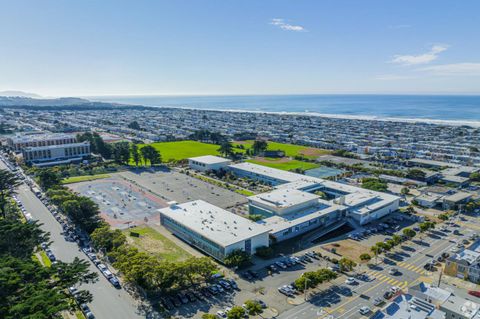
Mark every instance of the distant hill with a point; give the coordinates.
(63, 103)
(20, 94)
(28, 101)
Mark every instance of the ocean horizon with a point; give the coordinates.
(455, 109)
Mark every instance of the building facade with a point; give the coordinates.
(56, 154)
(20, 142)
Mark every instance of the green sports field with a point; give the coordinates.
(289, 149)
(84, 178)
(183, 149)
(285, 165)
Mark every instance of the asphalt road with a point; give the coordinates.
(108, 302)
(344, 301)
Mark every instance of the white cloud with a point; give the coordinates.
(466, 68)
(286, 26)
(424, 58)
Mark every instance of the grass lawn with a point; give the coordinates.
(285, 165)
(183, 149)
(155, 243)
(289, 149)
(45, 260)
(77, 179)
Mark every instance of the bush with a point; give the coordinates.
(311, 279)
(264, 252)
(237, 258)
(365, 257)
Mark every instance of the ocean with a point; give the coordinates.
(437, 108)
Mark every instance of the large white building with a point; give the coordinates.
(19, 142)
(362, 205)
(208, 162)
(215, 231)
(56, 154)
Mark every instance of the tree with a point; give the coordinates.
(376, 250)
(237, 258)
(150, 154)
(47, 178)
(410, 233)
(105, 238)
(253, 307)
(8, 184)
(346, 264)
(374, 184)
(83, 212)
(475, 177)
(134, 125)
(97, 144)
(226, 149)
(259, 146)
(121, 152)
(236, 312)
(416, 173)
(365, 257)
(405, 191)
(209, 316)
(396, 239)
(135, 154)
(20, 240)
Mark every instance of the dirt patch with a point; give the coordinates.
(310, 151)
(347, 248)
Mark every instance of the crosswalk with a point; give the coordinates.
(418, 269)
(387, 279)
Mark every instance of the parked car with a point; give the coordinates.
(378, 301)
(364, 310)
(474, 293)
(107, 273)
(280, 265)
(115, 282)
(392, 271)
(388, 294)
(350, 281)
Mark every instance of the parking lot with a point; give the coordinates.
(121, 203)
(174, 186)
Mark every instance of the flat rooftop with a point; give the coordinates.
(284, 198)
(432, 162)
(40, 137)
(212, 222)
(51, 147)
(458, 197)
(210, 159)
(279, 223)
(268, 171)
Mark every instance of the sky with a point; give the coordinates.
(203, 47)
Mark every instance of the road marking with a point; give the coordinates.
(386, 279)
(353, 298)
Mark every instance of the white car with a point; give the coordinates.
(394, 289)
(350, 281)
(392, 271)
(364, 310)
(102, 267)
(107, 273)
(221, 314)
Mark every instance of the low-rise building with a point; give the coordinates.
(465, 264)
(56, 154)
(20, 142)
(208, 162)
(213, 230)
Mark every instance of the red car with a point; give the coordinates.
(474, 293)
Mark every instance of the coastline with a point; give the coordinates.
(403, 108)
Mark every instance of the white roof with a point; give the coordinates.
(214, 223)
(210, 159)
(279, 223)
(283, 198)
(268, 171)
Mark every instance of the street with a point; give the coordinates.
(344, 301)
(108, 302)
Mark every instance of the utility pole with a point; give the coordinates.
(440, 277)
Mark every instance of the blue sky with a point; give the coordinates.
(82, 48)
